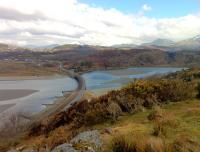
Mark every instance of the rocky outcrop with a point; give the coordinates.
(89, 141)
(64, 148)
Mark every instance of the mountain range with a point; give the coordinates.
(192, 44)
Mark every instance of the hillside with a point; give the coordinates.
(11, 48)
(160, 42)
(163, 112)
(3, 46)
(85, 59)
(189, 44)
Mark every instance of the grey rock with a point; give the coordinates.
(108, 130)
(29, 150)
(64, 148)
(92, 137)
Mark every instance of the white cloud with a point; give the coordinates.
(146, 7)
(43, 22)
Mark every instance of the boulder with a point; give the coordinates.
(29, 150)
(90, 139)
(64, 148)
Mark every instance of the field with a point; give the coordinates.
(182, 121)
(19, 68)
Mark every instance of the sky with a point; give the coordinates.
(97, 22)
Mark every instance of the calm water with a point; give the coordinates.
(102, 81)
(97, 81)
(48, 90)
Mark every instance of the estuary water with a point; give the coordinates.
(100, 82)
(32, 95)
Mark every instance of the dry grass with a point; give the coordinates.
(162, 121)
(176, 119)
(15, 68)
(137, 143)
(144, 143)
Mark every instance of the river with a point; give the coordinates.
(32, 95)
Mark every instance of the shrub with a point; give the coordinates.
(13, 124)
(156, 114)
(95, 116)
(114, 111)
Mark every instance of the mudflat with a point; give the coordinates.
(14, 94)
(5, 107)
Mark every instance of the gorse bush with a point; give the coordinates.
(161, 90)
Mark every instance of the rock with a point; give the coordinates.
(90, 137)
(64, 148)
(90, 149)
(108, 130)
(29, 150)
(20, 148)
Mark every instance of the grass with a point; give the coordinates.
(180, 119)
(17, 68)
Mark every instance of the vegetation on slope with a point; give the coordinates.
(147, 115)
(17, 68)
(89, 58)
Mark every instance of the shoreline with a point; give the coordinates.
(20, 78)
(10, 94)
(42, 77)
(4, 107)
(121, 68)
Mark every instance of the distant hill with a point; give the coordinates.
(125, 46)
(11, 48)
(160, 42)
(3, 47)
(76, 47)
(51, 46)
(192, 44)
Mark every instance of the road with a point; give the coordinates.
(79, 92)
(66, 101)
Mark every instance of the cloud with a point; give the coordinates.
(146, 7)
(43, 22)
(11, 14)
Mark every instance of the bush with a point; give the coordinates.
(156, 114)
(114, 111)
